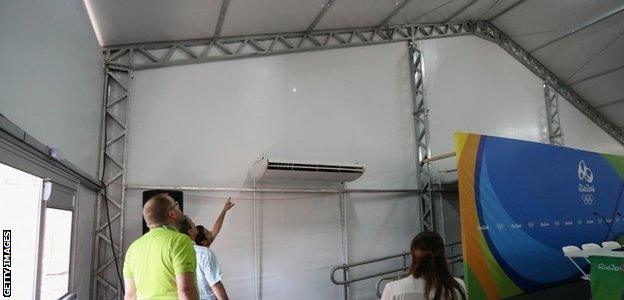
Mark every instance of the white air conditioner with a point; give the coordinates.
(282, 170)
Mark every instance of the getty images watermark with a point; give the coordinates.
(6, 263)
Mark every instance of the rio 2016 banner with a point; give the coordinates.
(520, 202)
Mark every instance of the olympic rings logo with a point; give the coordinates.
(588, 199)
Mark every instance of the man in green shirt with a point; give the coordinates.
(161, 264)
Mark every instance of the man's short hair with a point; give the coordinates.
(156, 208)
(184, 225)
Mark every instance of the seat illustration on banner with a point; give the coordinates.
(521, 202)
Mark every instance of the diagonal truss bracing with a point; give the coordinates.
(421, 122)
(154, 55)
(555, 133)
(112, 172)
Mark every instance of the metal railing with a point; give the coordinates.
(345, 268)
(346, 281)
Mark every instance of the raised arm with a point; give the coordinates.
(219, 222)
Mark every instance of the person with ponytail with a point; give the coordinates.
(428, 276)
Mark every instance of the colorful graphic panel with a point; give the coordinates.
(520, 202)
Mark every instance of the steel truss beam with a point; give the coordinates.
(555, 134)
(155, 55)
(421, 122)
(112, 171)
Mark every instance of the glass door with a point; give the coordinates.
(20, 211)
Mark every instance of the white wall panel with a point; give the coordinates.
(54, 88)
(51, 87)
(472, 85)
(300, 243)
(378, 225)
(234, 246)
(207, 124)
(582, 133)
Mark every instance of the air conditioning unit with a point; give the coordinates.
(282, 170)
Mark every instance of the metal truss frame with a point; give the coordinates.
(155, 55)
(421, 122)
(121, 61)
(112, 172)
(555, 134)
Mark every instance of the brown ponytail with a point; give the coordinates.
(433, 267)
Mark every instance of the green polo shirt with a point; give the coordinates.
(154, 259)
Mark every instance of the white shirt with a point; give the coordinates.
(410, 288)
(208, 272)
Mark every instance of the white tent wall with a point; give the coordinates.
(205, 125)
(54, 88)
(51, 87)
(473, 85)
(581, 133)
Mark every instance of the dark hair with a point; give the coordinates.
(184, 225)
(433, 268)
(200, 235)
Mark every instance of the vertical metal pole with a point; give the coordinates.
(405, 261)
(40, 244)
(555, 133)
(421, 122)
(257, 291)
(437, 184)
(344, 238)
(345, 287)
(98, 204)
(122, 199)
(112, 171)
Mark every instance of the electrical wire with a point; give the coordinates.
(110, 236)
(488, 10)
(286, 198)
(596, 55)
(432, 10)
(538, 32)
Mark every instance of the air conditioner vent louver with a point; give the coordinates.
(279, 170)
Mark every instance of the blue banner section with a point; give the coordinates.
(532, 199)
